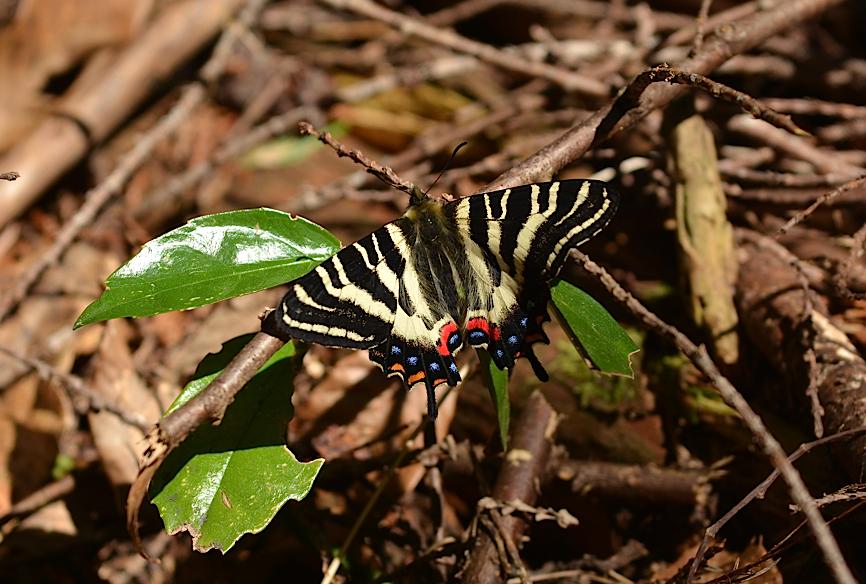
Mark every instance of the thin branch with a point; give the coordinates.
(617, 116)
(771, 447)
(822, 200)
(96, 198)
(744, 101)
(383, 173)
(442, 36)
(76, 387)
(759, 492)
(700, 24)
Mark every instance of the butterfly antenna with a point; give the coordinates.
(447, 164)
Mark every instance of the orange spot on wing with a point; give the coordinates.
(396, 367)
(417, 377)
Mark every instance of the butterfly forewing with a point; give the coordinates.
(476, 269)
(350, 299)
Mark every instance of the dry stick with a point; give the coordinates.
(843, 271)
(39, 499)
(621, 114)
(408, 25)
(518, 476)
(425, 146)
(96, 198)
(847, 493)
(685, 34)
(10, 176)
(822, 160)
(782, 179)
(77, 388)
(746, 102)
(209, 405)
(759, 492)
(823, 199)
(383, 173)
(770, 446)
(91, 111)
(816, 107)
(274, 126)
(700, 24)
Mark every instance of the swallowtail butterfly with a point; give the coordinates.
(476, 270)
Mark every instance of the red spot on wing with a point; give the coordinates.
(478, 323)
(444, 335)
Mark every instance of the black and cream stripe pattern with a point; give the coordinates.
(476, 270)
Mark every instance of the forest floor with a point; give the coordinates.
(735, 133)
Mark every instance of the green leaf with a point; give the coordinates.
(212, 258)
(497, 385)
(593, 330)
(231, 479)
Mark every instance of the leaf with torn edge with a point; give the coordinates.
(212, 258)
(231, 479)
(593, 330)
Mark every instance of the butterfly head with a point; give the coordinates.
(417, 197)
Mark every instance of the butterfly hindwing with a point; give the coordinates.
(517, 241)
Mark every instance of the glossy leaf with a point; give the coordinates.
(231, 479)
(212, 258)
(497, 384)
(593, 330)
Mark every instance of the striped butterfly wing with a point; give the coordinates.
(517, 240)
(476, 269)
(351, 299)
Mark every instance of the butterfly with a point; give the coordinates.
(476, 270)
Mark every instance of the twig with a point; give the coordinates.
(759, 492)
(744, 101)
(77, 388)
(782, 179)
(816, 107)
(532, 435)
(96, 198)
(617, 116)
(383, 173)
(822, 200)
(700, 24)
(822, 160)
(10, 176)
(39, 499)
(855, 492)
(235, 147)
(448, 38)
(732, 397)
(843, 270)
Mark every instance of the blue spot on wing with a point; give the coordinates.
(413, 360)
(513, 340)
(453, 367)
(396, 350)
(434, 366)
